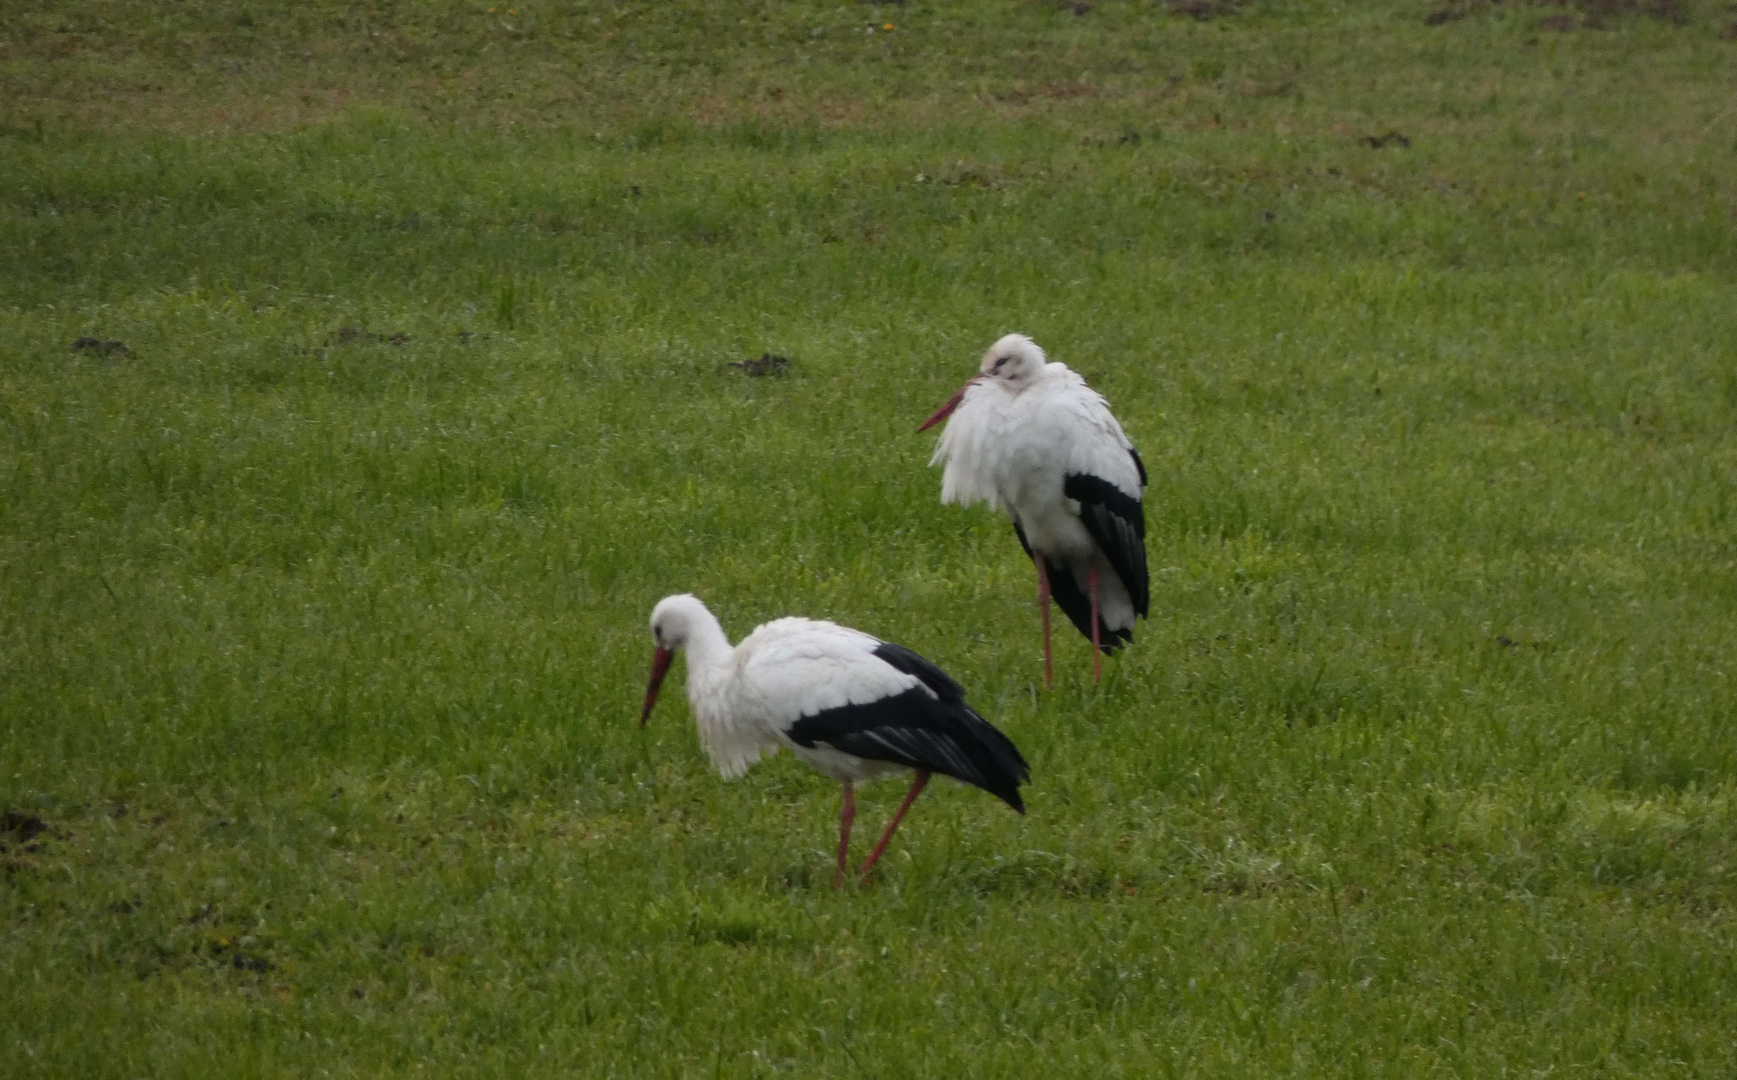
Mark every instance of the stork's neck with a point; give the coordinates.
(707, 647)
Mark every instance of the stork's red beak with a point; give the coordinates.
(947, 410)
(659, 668)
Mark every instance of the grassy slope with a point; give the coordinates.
(319, 657)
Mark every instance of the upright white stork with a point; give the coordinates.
(1032, 438)
(850, 705)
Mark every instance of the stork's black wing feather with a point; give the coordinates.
(920, 730)
(1117, 521)
(1076, 605)
(1139, 466)
(912, 664)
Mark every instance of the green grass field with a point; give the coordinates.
(323, 603)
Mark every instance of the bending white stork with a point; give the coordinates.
(852, 706)
(1032, 438)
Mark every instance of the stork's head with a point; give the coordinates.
(674, 618)
(672, 622)
(1013, 363)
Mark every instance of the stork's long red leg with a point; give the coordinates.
(1097, 654)
(846, 815)
(1043, 605)
(910, 797)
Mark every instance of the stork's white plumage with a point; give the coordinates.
(852, 706)
(1031, 438)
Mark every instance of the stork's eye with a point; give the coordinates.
(999, 362)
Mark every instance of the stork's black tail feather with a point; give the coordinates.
(1075, 604)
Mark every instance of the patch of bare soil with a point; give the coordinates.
(766, 365)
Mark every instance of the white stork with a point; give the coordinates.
(1032, 438)
(850, 705)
